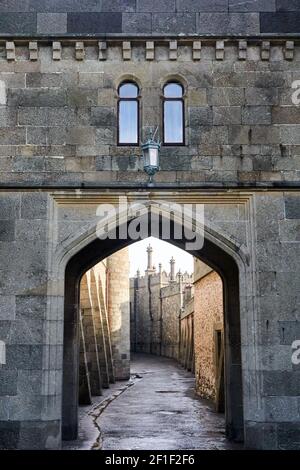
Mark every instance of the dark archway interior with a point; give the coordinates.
(210, 254)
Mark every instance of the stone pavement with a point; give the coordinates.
(159, 411)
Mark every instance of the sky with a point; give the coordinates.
(162, 253)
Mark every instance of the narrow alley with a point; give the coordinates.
(159, 411)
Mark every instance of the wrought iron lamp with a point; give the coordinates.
(151, 149)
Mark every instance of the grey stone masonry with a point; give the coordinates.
(58, 116)
(149, 17)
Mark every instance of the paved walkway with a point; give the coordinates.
(160, 411)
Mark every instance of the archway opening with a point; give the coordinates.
(213, 256)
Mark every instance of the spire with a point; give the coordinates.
(172, 269)
(149, 251)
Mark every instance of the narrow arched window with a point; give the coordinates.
(173, 114)
(128, 114)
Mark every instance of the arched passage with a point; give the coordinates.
(218, 255)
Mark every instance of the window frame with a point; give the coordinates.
(182, 100)
(137, 100)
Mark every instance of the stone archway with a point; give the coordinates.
(222, 256)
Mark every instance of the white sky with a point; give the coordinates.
(162, 253)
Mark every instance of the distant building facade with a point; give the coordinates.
(157, 305)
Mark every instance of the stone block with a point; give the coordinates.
(197, 50)
(51, 23)
(176, 23)
(105, 135)
(56, 50)
(7, 117)
(200, 116)
(150, 50)
(173, 50)
(137, 23)
(265, 50)
(242, 50)
(288, 436)
(43, 80)
(103, 163)
(252, 5)
(264, 135)
(290, 135)
(289, 331)
(289, 50)
(287, 5)
(37, 97)
(18, 23)
(56, 5)
(31, 229)
(79, 50)
(12, 136)
(7, 307)
(10, 50)
(92, 23)
(256, 115)
(223, 115)
(80, 135)
(286, 115)
(292, 207)
(24, 357)
(220, 50)
(280, 22)
(118, 5)
(7, 230)
(197, 97)
(240, 24)
(281, 383)
(126, 50)
(261, 96)
(152, 6)
(82, 97)
(239, 135)
(34, 205)
(30, 164)
(227, 96)
(260, 435)
(102, 45)
(29, 382)
(33, 50)
(9, 206)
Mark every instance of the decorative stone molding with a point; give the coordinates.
(79, 50)
(150, 50)
(289, 50)
(10, 50)
(102, 50)
(265, 50)
(126, 48)
(197, 50)
(56, 50)
(173, 50)
(242, 50)
(220, 50)
(33, 50)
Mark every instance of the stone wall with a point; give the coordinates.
(104, 326)
(149, 17)
(96, 361)
(208, 331)
(157, 304)
(59, 115)
(119, 312)
(59, 160)
(187, 346)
